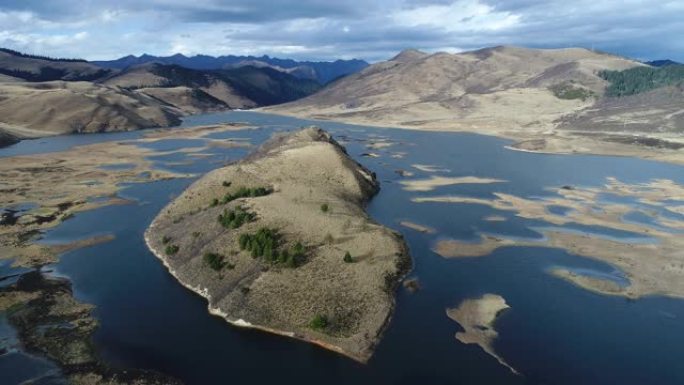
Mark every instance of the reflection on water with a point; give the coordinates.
(554, 332)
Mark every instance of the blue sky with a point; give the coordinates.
(330, 29)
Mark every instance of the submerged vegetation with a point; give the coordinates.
(642, 79)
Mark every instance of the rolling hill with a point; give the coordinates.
(242, 87)
(489, 90)
(554, 100)
(59, 107)
(42, 96)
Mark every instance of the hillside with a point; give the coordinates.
(321, 71)
(42, 96)
(490, 90)
(555, 100)
(51, 108)
(243, 87)
(283, 244)
(40, 69)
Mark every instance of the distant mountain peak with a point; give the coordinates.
(409, 55)
(662, 63)
(322, 71)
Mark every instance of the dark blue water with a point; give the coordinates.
(554, 333)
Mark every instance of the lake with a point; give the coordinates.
(554, 332)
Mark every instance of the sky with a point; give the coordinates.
(330, 29)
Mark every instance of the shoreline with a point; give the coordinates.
(567, 139)
(241, 323)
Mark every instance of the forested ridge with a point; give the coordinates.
(642, 79)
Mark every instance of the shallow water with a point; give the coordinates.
(554, 333)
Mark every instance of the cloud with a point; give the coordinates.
(324, 29)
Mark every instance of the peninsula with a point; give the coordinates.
(280, 242)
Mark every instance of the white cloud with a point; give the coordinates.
(459, 16)
(321, 29)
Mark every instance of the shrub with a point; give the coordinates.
(225, 183)
(215, 261)
(570, 92)
(348, 258)
(325, 207)
(243, 192)
(171, 249)
(318, 322)
(166, 239)
(244, 240)
(233, 219)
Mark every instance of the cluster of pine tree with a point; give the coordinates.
(233, 219)
(642, 79)
(265, 244)
(242, 192)
(217, 261)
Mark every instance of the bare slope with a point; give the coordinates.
(490, 90)
(51, 108)
(315, 296)
(152, 78)
(519, 93)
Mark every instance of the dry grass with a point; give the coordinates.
(304, 170)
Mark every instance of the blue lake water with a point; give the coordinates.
(554, 333)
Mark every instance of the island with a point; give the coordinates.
(280, 242)
(477, 317)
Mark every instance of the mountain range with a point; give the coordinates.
(536, 95)
(45, 96)
(321, 71)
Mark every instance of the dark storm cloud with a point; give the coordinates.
(325, 29)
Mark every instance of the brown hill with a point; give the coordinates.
(492, 90)
(51, 108)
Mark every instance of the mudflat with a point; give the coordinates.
(477, 317)
(280, 242)
(651, 260)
